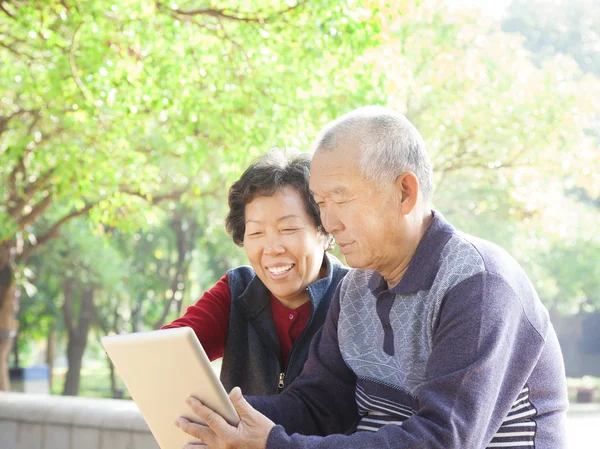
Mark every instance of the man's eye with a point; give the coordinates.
(255, 234)
(289, 230)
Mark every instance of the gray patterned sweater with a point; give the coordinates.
(460, 354)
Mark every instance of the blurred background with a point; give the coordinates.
(122, 125)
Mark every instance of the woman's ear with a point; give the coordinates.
(326, 239)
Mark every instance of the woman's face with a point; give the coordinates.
(283, 245)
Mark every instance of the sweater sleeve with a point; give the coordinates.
(306, 405)
(209, 318)
(484, 350)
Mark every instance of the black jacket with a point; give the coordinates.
(252, 358)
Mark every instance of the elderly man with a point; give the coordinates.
(435, 340)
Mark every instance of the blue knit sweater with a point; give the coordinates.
(460, 354)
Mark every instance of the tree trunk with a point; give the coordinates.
(15, 351)
(116, 393)
(184, 250)
(78, 334)
(8, 308)
(51, 353)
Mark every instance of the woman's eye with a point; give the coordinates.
(289, 230)
(255, 234)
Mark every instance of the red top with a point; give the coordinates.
(209, 318)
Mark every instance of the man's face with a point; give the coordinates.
(366, 221)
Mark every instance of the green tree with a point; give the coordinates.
(108, 108)
(507, 137)
(84, 269)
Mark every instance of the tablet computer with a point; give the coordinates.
(160, 370)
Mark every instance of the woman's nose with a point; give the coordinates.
(273, 246)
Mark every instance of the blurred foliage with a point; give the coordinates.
(137, 116)
(553, 27)
(509, 140)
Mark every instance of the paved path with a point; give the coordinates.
(583, 428)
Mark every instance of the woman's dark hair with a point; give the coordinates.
(272, 172)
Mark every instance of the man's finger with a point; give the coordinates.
(199, 431)
(244, 409)
(208, 416)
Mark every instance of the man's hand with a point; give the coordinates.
(251, 433)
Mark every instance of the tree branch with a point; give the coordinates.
(28, 192)
(14, 51)
(86, 94)
(234, 14)
(7, 118)
(20, 166)
(36, 211)
(52, 232)
(155, 199)
(5, 10)
(67, 305)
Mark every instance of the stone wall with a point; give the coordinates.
(29, 421)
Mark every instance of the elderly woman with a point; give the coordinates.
(261, 319)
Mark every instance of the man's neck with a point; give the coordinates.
(395, 275)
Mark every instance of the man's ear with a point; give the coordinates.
(407, 188)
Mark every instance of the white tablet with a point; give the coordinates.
(160, 370)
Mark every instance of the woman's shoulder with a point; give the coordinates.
(337, 267)
(242, 274)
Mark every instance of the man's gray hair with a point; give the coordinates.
(389, 145)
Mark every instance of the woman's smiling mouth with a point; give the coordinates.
(280, 270)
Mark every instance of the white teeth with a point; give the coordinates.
(280, 270)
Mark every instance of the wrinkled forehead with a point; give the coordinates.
(331, 172)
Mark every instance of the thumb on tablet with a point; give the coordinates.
(241, 405)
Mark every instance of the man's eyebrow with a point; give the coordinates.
(337, 190)
(285, 217)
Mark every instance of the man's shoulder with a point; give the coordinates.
(490, 257)
(502, 276)
(464, 257)
(460, 256)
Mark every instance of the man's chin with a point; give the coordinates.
(354, 261)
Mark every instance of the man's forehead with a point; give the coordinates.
(335, 181)
(332, 163)
(330, 172)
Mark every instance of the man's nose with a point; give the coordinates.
(330, 220)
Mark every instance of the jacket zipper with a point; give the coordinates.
(281, 384)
